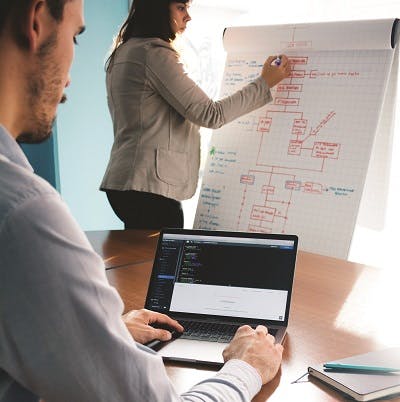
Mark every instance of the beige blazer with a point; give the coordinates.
(156, 111)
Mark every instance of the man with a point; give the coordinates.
(61, 331)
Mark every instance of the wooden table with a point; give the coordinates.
(124, 247)
(338, 309)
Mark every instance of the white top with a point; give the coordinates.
(62, 336)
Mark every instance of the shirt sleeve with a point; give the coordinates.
(170, 80)
(235, 379)
(60, 321)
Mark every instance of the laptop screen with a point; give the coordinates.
(224, 274)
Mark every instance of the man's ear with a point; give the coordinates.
(36, 25)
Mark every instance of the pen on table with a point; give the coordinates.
(357, 367)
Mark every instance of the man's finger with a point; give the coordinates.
(262, 329)
(162, 334)
(165, 321)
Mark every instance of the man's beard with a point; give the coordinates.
(42, 89)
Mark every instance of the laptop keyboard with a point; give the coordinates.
(211, 332)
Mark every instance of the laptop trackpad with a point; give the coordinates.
(193, 351)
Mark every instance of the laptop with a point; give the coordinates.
(212, 282)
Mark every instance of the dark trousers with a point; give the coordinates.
(141, 210)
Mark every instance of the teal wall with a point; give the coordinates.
(84, 125)
(44, 159)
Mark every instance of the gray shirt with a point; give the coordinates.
(156, 111)
(61, 333)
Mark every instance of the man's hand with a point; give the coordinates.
(139, 325)
(257, 348)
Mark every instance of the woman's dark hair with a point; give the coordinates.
(146, 19)
(16, 11)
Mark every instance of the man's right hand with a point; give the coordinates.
(257, 348)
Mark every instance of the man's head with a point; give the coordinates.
(37, 43)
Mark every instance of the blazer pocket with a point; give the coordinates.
(171, 166)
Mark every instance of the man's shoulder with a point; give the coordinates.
(18, 186)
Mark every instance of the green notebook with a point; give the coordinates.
(363, 385)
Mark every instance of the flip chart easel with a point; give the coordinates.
(299, 164)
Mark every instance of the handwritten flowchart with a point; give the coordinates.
(298, 164)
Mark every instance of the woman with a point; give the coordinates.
(157, 111)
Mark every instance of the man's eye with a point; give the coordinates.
(75, 41)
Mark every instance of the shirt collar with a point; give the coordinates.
(10, 150)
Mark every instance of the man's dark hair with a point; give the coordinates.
(146, 19)
(15, 12)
